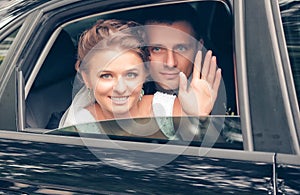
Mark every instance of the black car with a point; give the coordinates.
(251, 148)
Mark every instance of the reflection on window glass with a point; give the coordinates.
(217, 132)
(290, 12)
(5, 45)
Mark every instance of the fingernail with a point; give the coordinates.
(181, 74)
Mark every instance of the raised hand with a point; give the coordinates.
(199, 97)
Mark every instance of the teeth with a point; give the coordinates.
(119, 98)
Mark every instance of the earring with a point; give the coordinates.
(90, 95)
(141, 94)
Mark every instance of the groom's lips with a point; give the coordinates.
(170, 75)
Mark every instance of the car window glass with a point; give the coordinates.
(5, 45)
(290, 13)
(213, 131)
(222, 128)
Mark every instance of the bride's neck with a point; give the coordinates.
(100, 114)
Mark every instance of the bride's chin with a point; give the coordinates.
(122, 115)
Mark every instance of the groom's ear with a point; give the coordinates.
(200, 44)
(85, 78)
(147, 73)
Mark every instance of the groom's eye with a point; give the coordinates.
(180, 48)
(156, 49)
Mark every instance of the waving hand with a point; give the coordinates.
(199, 98)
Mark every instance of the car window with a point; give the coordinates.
(59, 87)
(5, 45)
(213, 131)
(290, 14)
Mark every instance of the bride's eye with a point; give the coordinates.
(105, 76)
(132, 75)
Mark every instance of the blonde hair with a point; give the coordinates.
(112, 34)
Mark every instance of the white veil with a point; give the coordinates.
(76, 113)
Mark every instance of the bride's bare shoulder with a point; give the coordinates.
(145, 105)
(147, 99)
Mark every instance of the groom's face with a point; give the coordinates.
(172, 50)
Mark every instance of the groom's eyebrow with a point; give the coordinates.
(156, 45)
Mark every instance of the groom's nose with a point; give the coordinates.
(170, 59)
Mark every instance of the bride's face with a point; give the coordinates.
(116, 79)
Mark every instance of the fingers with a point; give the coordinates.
(208, 70)
(217, 81)
(212, 70)
(211, 73)
(182, 82)
(197, 65)
(206, 65)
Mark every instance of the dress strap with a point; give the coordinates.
(162, 106)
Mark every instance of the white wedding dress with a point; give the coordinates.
(162, 105)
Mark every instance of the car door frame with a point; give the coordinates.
(286, 118)
(12, 68)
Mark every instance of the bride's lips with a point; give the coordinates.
(170, 75)
(119, 99)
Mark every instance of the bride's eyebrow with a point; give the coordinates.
(109, 71)
(132, 69)
(103, 71)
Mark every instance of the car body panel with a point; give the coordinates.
(105, 169)
(77, 168)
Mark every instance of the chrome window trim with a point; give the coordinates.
(21, 101)
(242, 81)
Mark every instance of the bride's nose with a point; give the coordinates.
(120, 86)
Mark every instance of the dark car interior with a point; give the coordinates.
(51, 92)
(52, 87)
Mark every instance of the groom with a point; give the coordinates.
(173, 41)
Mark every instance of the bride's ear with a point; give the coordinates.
(85, 79)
